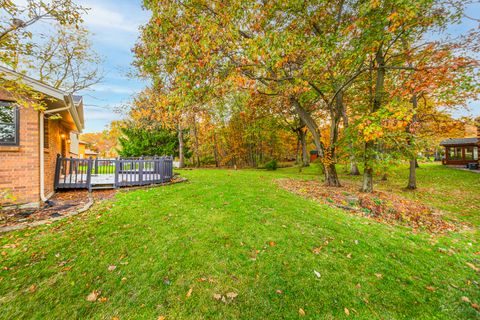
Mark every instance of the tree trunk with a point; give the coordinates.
(303, 142)
(311, 125)
(297, 150)
(215, 150)
(331, 177)
(354, 167)
(367, 185)
(181, 156)
(412, 177)
(195, 136)
(329, 169)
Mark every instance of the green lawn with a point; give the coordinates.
(236, 232)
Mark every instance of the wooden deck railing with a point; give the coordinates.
(72, 173)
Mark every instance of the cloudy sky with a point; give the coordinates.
(114, 24)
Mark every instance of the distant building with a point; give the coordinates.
(462, 151)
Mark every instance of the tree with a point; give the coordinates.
(136, 142)
(16, 38)
(66, 60)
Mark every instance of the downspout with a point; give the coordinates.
(42, 158)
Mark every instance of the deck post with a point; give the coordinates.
(57, 172)
(89, 174)
(140, 170)
(96, 166)
(117, 172)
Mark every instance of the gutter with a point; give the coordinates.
(73, 112)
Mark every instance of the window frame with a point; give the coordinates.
(5, 103)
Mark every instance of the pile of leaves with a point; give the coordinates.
(380, 206)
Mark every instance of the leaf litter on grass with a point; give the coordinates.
(380, 206)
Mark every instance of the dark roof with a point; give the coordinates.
(460, 141)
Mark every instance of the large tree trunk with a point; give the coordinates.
(181, 155)
(367, 185)
(331, 177)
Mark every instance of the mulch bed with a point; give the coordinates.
(61, 204)
(380, 206)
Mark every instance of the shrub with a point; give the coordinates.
(271, 165)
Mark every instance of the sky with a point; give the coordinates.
(114, 24)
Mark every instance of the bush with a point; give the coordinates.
(271, 165)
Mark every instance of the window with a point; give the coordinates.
(475, 153)
(469, 153)
(9, 125)
(455, 153)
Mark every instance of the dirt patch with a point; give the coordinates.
(60, 205)
(380, 206)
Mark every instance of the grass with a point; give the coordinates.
(235, 231)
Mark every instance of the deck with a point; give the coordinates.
(73, 173)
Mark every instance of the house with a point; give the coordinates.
(90, 154)
(462, 151)
(30, 140)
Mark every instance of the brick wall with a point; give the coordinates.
(20, 165)
(20, 168)
(56, 129)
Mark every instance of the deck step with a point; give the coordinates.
(102, 186)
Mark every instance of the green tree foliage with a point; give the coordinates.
(136, 142)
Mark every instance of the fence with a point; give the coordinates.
(72, 173)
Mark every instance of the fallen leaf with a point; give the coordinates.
(103, 299)
(317, 250)
(358, 285)
(161, 318)
(189, 293)
(317, 273)
(475, 306)
(301, 312)
(32, 288)
(349, 256)
(272, 244)
(430, 288)
(93, 296)
(465, 299)
(231, 295)
(112, 267)
(217, 296)
(474, 267)
(124, 279)
(347, 312)
(279, 291)
(379, 275)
